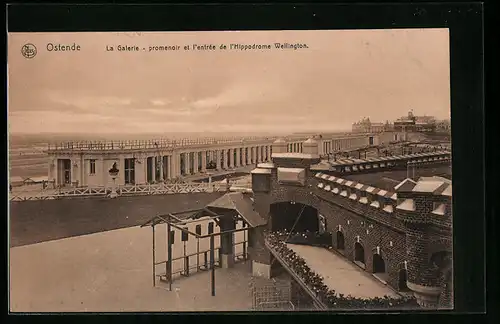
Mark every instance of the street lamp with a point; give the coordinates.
(113, 172)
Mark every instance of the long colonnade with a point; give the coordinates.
(87, 164)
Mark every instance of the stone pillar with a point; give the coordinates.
(173, 160)
(152, 169)
(196, 162)
(257, 154)
(227, 242)
(203, 161)
(187, 164)
(238, 157)
(218, 159)
(252, 155)
(231, 158)
(169, 167)
(178, 164)
(244, 153)
(224, 158)
(160, 161)
(50, 169)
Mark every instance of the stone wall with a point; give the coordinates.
(405, 239)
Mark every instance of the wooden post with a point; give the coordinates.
(212, 263)
(198, 231)
(244, 243)
(169, 248)
(154, 258)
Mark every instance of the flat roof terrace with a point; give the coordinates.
(388, 179)
(149, 144)
(407, 157)
(342, 275)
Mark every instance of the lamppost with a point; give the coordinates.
(113, 172)
(210, 186)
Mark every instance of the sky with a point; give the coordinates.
(340, 78)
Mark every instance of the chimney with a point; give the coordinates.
(310, 147)
(279, 146)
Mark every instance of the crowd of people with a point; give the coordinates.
(277, 240)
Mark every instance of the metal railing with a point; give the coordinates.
(317, 302)
(126, 190)
(151, 144)
(189, 268)
(178, 143)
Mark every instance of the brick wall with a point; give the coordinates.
(399, 235)
(391, 241)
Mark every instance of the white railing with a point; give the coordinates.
(152, 144)
(181, 143)
(129, 190)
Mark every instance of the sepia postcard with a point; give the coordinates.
(230, 171)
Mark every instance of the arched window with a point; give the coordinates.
(378, 264)
(402, 286)
(340, 241)
(359, 253)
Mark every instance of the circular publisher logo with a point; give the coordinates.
(28, 51)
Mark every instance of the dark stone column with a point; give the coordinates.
(227, 242)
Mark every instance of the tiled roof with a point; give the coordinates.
(344, 161)
(407, 204)
(242, 204)
(405, 185)
(260, 171)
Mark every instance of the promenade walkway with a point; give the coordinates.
(340, 274)
(37, 192)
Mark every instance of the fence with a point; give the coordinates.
(128, 190)
(271, 294)
(151, 144)
(201, 262)
(316, 301)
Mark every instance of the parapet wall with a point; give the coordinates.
(389, 208)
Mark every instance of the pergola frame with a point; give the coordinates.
(172, 221)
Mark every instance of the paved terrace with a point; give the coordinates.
(388, 179)
(353, 165)
(111, 272)
(340, 274)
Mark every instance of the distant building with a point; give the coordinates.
(443, 125)
(408, 123)
(367, 126)
(412, 123)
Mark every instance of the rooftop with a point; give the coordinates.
(388, 180)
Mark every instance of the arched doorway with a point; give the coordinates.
(340, 241)
(294, 217)
(378, 264)
(443, 261)
(359, 254)
(403, 277)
